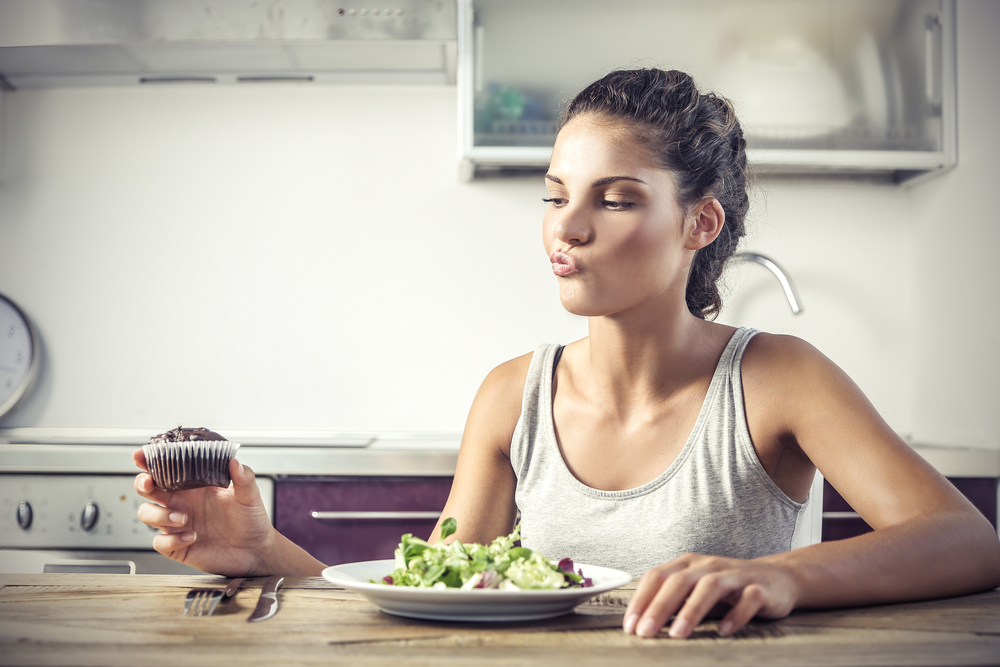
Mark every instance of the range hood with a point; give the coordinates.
(53, 43)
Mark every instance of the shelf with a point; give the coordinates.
(853, 87)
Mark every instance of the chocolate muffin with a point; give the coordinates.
(188, 458)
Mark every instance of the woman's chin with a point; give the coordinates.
(584, 308)
(610, 307)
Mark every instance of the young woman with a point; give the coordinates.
(663, 443)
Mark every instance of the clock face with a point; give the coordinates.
(18, 356)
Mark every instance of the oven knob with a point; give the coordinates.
(24, 515)
(89, 517)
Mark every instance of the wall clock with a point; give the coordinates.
(19, 355)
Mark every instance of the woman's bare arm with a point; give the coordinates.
(226, 531)
(929, 541)
(482, 495)
(223, 531)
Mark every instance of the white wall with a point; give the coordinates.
(303, 257)
(902, 286)
(956, 327)
(263, 258)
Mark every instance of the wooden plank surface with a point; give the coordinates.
(58, 619)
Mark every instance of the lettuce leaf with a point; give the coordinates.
(502, 564)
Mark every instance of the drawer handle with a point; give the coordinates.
(373, 515)
(841, 515)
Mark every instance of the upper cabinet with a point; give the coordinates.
(57, 43)
(839, 86)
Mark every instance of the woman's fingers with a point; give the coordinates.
(144, 484)
(709, 591)
(169, 543)
(139, 457)
(691, 587)
(650, 584)
(144, 487)
(166, 519)
(245, 489)
(659, 595)
(751, 601)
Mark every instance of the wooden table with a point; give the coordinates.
(136, 620)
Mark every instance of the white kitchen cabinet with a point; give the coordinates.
(845, 86)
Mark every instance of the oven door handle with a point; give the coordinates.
(88, 566)
(376, 516)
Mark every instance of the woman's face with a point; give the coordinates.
(613, 228)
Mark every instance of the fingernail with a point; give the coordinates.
(726, 628)
(189, 537)
(680, 629)
(647, 628)
(630, 621)
(177, 517)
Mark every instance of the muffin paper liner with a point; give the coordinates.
(190, 464)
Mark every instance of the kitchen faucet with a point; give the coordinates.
(786, 282)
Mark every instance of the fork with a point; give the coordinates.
(203, 601)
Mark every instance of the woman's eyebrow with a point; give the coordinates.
(601, 181)
(612, 179)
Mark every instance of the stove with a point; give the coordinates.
(81, 523)
(67, 500)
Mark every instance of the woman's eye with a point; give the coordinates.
(555, 201)
(617, 205)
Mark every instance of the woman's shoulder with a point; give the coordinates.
(510, 375)
(497, 406)
(503, 387)
(778, 346)
(781, 362)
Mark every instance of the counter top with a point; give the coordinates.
(384, 456)
(137, 437)
(124, 620)
(265, 461)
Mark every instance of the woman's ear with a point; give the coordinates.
(708, 217)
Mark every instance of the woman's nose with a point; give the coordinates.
(572, 228)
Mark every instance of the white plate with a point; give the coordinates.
(454, 604)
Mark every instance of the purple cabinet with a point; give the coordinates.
(841, 522)
(348, 519)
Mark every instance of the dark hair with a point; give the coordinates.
(695, 136)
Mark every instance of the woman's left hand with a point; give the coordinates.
(692, 585)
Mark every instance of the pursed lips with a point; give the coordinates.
(563, 264)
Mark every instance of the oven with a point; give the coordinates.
(81, 523)
(68, 504)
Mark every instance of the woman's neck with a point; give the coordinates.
(648, 355)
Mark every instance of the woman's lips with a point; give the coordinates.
(563, 264)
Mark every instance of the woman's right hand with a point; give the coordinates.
(222, 531)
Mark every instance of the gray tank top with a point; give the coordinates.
(715, 498)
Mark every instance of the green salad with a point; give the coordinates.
(503, 565)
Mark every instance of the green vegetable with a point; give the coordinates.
(448, 528)
(498, 565)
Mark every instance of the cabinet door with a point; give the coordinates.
(349, 519)
(846, 85)
(840, 520)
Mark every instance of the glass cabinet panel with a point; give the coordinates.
(818, 84)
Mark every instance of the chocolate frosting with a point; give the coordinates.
(180, 434)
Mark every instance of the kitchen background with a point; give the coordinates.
(305, 257)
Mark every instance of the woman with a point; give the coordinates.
(662, 442)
